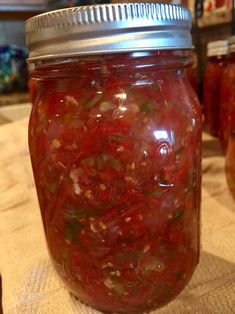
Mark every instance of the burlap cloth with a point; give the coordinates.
(29, 283)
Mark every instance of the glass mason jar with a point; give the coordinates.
(228, 115)
(216, 52)
(115, 144)
(227, 94)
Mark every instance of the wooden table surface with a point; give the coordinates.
(14, 98)
(29, 283)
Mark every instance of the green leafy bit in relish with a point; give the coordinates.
(179, 150)
(158, 191)
(93, 101)
(115, 164)
(53, 187)
(79, 212)
(146, 107)
(116, 137)
(90, 162)
(177, 215)
(105, 106)
(132, 255)
(71, 230)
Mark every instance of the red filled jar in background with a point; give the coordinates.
(216, 52)
(228, 115)
(115, 145)
(227, 90)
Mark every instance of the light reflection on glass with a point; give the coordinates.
(140, 54)
(123, 109)
(164, 135)
(144, 66)
(161, 135)
(121, 96)
(144, 82)
(145, 153)
(164, 150)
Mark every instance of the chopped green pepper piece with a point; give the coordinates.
(158, 192)
(72, 227)
(176, 215)
(78, 213)
(105, 106)
(115, 164)
(90, 161)
(118, 288)
(163, 181)
(100, 162)
(93, 101)
(179, 150)
(129, 255)
(53, 187)
(146, 107)
(116, 137)
(70, 212)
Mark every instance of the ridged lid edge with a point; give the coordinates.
(108, 13)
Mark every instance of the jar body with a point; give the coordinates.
(227, 89)
(116, 157)
(228, 116)
(211, 93)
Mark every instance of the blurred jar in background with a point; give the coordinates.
(13, 68)
(227, 97)
(216, 53)
(228, 113)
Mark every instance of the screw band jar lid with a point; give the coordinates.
(231, 44)
(108, 28)
(217, 48)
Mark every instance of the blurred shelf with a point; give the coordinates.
(215, 19)
(14, 98)
(21, 8)
(20, 11)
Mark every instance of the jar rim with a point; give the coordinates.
(108, 28)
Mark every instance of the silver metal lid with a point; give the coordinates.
(108, 28)
(217, 48)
